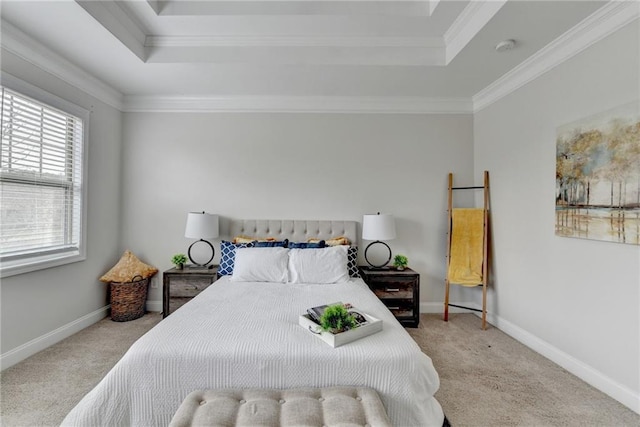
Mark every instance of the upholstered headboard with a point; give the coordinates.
(294, 230)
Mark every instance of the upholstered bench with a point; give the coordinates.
(330, 406)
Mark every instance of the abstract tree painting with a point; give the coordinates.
(598, 177)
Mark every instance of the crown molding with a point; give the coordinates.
(155, 6)
(20, 44)
(296, 49)
(292, 41)
(603, 22)
(608, 19)
(291, 8)
(469, 23)
(122, 25)
(298, 104)
(432, 4)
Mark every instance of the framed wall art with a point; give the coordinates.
(598, 176)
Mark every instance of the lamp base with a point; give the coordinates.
(213, 252)
(381, 266)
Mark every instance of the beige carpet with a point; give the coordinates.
(42, 389)
(487, 379)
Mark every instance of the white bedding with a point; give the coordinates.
(246, 335)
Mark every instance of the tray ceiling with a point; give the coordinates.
(298, 48)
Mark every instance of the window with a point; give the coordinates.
(41, 183)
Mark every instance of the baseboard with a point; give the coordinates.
(619, 392)
(586, 373)
(30, 348)
(154, 306)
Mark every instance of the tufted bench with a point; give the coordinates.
(329, 406)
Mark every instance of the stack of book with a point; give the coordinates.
(315, 313)
(366, 325)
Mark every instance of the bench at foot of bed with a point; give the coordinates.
(327, 406)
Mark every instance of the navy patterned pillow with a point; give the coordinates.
(271, 244)
(307, 245)
(228, 256)
(352, 261)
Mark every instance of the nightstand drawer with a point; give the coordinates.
(188, 289)
(401, 311)
(179, 286)
(176, 303)
(399, 291)
(395, 289)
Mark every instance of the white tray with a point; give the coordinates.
(336, 340)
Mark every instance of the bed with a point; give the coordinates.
(245, 334)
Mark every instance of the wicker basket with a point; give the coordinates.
(128, 299)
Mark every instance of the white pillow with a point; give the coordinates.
(260, 265)
(326, 265)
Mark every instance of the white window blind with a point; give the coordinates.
(41, 179)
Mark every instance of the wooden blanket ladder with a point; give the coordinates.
(462, 238)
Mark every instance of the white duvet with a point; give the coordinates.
(246, 335)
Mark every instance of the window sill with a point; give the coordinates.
(35, 263)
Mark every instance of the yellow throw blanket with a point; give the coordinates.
(467, 241)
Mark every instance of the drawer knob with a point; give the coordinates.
(393, 308)
(392, 289)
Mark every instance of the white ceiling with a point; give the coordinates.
(298, 48)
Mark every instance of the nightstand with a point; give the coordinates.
(179, 286)
(399, 290)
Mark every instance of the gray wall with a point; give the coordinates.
(296, 166)
(575, 301)
(580, 297)
(35, 305)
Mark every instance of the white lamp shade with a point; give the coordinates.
(201, 225)
(378, 227)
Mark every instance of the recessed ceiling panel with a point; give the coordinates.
(300, 48)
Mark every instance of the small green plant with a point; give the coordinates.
(179, 259)
(400, 261)
(336, 319)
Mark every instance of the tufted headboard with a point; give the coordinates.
(294, 230)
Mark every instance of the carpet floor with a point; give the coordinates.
(489, 379)
(486, 377)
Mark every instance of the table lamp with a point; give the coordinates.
(201, 225)
(378, 227)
